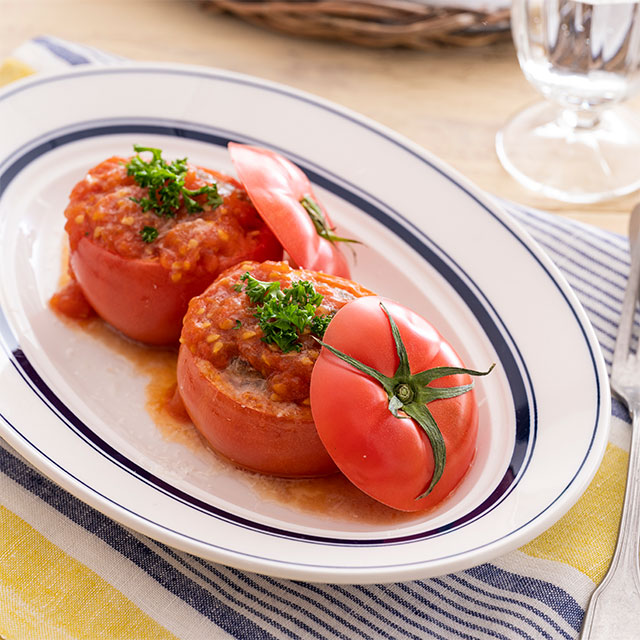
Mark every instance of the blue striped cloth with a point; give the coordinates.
(68, 571)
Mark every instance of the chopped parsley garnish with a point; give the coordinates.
(165, 184)
(285, 314)
(149, 234)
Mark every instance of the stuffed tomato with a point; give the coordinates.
(146, 236)
(248, 347)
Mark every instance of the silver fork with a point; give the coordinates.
(614, 609)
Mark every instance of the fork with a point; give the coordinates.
(614, 609)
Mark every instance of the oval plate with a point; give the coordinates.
(74, 406)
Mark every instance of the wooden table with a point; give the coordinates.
(451, 101)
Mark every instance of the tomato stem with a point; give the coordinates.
(411, 394)
(320, 222)
(404, 393)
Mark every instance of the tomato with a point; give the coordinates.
(142, 287)
(390, 457)
(249, 398)
(280, 190)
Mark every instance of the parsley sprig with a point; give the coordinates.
(165, 184)
(285, 314)
(148, 234)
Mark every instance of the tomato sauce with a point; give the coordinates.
(102, 207)
(332, 496)
(220, 328)
(70, 301)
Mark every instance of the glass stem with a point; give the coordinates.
(579, 118)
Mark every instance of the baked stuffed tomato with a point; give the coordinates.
(146, 236)
(248, 347)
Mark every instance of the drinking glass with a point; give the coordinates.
(579, 145)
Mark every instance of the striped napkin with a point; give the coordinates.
(67, 571)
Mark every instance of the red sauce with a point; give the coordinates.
(332, 496)
(173, 404)
(70, 301)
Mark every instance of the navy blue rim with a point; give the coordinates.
(525, 414)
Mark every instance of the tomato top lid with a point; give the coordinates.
(371, 395)
(283, 196)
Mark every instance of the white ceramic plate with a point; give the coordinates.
(75, 406)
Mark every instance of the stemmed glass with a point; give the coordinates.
(578, 145)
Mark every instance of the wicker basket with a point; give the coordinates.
(373, 23)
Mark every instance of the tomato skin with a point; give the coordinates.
(276, 187)
(135, 296)
(386, 457)
(269, 443)
(138, 296)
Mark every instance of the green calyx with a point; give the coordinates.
(320, 222)
(410, 393)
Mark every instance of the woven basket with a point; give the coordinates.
(372, 23)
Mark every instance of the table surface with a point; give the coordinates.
(452, 101)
